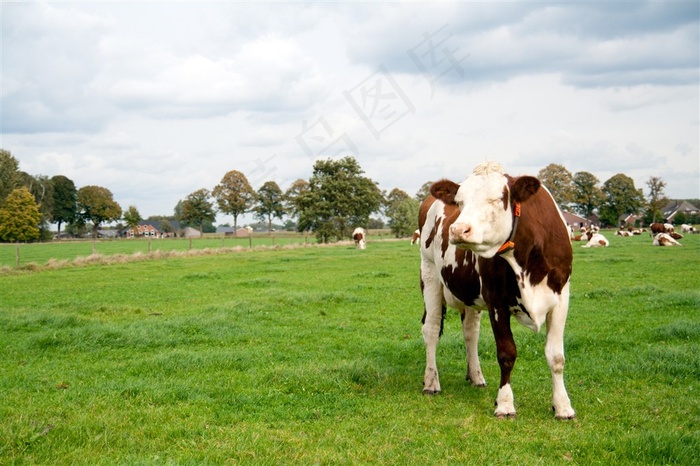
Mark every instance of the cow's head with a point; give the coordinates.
(485, 200)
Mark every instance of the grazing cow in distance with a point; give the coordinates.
(665, 239)
(624, 233)
(499, 243)
(596, 241)
(360, 238)
(685, 228)
(416, 237)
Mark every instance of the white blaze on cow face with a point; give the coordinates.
(486, 218)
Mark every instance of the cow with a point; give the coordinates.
(496, 243)
(656, 228)
(596, 241)
(416, 237)
(686, 228)
(665, 239)
(360, 238)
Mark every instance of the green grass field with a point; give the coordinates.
(313, 355)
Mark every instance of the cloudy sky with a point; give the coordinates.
(154, 101)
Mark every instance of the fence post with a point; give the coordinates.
(190, 244)
(250, 241)
(17, 256)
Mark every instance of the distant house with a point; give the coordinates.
(575, 221)
(227, 231)
(631, 220)
(189, 232)
(244, 232)
(674, 207)
(143, 230)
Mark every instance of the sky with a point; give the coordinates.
(156, 100)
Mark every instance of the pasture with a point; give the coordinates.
(314, 355)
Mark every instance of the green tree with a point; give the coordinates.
(96, 205)
(587, 195)
(198, 209)
(402, 212)
(339, 199)
(269, 203)
(423, 192)
(559, 182)
(621, 197)
(65, 201)
(19, 216)
(10, 177)
(132, 217)
(292, 195)
(41, 188)
(234, 195)
(657, 199)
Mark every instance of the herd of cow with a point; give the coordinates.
(662, 234)
(500, 244)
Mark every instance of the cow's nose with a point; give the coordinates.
(461, 231)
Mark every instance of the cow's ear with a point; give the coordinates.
(524, 187)
(445, 190)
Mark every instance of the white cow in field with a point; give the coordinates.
(596, 241)
(360, 237)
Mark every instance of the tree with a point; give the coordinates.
(559, 182)
(234, 195)
(132, 217)
(423, 192)
(96, 204)
(269, 203)
(587, 195)
(197, 208)
(657, 199)
(621, 197)
(19, 216)
(402, 212)
(339, 199)
(292, 196)
(64, 201)
(41, 188)
(10, 177)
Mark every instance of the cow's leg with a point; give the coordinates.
(471, 320)
(506, 354)
(432, 327)
(554, 352)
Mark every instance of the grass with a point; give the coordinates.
(314, 356)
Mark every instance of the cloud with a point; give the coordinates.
(588, 45)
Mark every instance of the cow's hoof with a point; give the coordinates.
(505, 415)
(564, 416)
(431, 392)
(478, 385)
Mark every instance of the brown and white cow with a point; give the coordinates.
(416, 237)
(499, 243)
(665, 239)
(360, 237)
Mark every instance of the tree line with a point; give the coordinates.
(330, 204)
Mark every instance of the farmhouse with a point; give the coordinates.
(673, 208)
(142, 230)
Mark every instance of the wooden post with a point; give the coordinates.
(250, 241)
(17, 256)
(190, 243)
